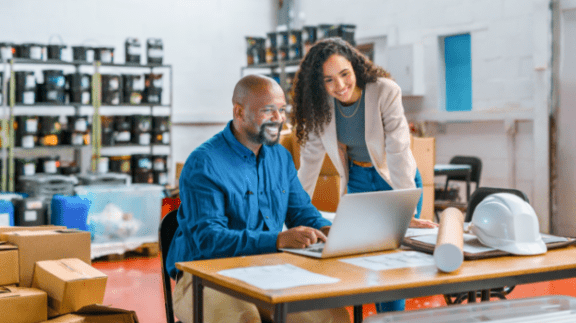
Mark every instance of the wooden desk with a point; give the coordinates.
(361, 286)
(456, 170)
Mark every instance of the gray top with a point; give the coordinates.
(350, 128)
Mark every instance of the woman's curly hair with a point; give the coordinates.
(311, 111)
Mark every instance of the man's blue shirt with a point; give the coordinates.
(235, 203)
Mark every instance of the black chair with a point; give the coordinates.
(480, 194)
(166, 232)
(476, 170)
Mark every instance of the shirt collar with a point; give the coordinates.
(238, 147)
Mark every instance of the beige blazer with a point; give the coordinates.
(387, 138)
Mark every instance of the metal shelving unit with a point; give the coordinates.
(8, 148)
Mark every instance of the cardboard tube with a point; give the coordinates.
(448, 254)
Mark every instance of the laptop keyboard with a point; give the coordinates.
(317, 247)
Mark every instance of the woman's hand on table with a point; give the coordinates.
(422, 224)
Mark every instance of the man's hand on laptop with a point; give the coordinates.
(299, 237)
(422, 224)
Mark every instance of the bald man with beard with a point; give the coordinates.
(237, 190)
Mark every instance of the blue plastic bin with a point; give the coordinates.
(6, 213)
(70, 211)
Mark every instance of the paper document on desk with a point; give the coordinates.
(414, 232)
(396, 260)
(277, 276)
(471, 243)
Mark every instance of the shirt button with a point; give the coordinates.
(283, 191)
(267, 217)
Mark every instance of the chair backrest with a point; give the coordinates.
(481, 192)
(474, 162)
(166, 232)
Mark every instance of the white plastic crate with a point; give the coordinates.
(557, 308)
(122, 217)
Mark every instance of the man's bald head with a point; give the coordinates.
(252, 85)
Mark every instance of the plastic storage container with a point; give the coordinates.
(527, 310)
(6, 213)
(132, 50)
(104, 179)
(31, 211)
(123, 214)
(155, 51)
(70, 211)
(46, 185)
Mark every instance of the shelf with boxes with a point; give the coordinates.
(280, 52)
(59, 112)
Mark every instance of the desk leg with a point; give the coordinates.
(197, 299)
(472, 297)
(358, 314)
(485, 295)
(280, 313)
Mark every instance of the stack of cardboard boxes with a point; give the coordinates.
(46, 272)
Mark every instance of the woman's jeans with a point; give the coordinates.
(367, 179)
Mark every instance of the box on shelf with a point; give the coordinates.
(9, 264)
(99, 314)
(23, 305)
(70, 284)
(123, 214)
(36, 246)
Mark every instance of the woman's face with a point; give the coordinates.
(340, 80)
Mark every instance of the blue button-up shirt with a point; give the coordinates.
(235, 203)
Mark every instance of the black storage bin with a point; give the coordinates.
(78, 123)
(83, 54)
(122, 123)
(309, 35)
(255, 51)
(26, 140)
(141, 123)
(50, 130)
(26, 131)
(153, 80)
(325, 31)
(31, 51)
(295, 52)
(346, 32)
(48, 165)
(161, 137)
(160, 163)
(107, 127)
(55, 51)
(104, 54)
(111, 82)
(160, 177)
(70, 169)
(271, 48)
(133, 82)
(7, 51)
(53, 96)
(25, 80)
(141, 163)
(283, 53)
(160, 123)
(30, 211)
(142, 138)
(25, 167)
(282, 38)
(132, 50)
(54, 79)
(120, 164)
(155, 51)
(152, 95)
(81, 97)
(78, 81)
(111, 97)
(75, 138)
(145, 177)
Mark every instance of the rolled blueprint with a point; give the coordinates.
(448, 254)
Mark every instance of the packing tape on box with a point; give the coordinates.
(448, 253)
(84, 275)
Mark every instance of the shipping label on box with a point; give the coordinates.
(23, 305)
(9, 273)
(36, 246)
(70, 284)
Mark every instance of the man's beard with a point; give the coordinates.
(262, 137)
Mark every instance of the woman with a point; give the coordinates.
(348, 107)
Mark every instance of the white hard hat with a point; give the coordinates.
(506, 222)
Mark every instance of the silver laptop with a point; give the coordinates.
(367, 222)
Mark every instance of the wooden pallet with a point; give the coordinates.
(150, 249)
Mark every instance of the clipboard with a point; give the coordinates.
(429, 248)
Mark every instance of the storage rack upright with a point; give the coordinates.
(9, 105)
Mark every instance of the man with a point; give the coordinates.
(237, 190)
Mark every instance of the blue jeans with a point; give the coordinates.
(367, 179)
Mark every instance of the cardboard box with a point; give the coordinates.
(70, 284)
(4, 229)
(9, 273)
(424, 151)
(98, 314)
(428, 203)
(326, 194)
(36, 246)
(23, 305)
